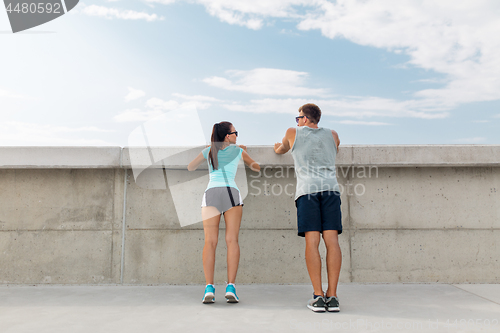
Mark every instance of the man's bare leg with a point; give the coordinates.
(333, 260)
(313, 260)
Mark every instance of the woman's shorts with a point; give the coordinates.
(222, 198)
(319, 211)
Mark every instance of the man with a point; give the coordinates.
(317, 199)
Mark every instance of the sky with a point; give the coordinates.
(382, 72)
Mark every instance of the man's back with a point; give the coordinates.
(314, 152)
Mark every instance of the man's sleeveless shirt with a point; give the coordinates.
(314, 152)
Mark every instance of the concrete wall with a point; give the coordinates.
(84, 216)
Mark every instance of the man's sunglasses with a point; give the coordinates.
(235, 133)
(297, 118)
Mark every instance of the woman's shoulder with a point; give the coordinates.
(205, 151)
(232, 150)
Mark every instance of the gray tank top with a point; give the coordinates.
(314, 152)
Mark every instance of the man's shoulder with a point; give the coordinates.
(290, 132)
(334, 132)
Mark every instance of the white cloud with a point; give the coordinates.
(266, 81)
(63, 129)
(262, 8)
(356, 107)
(110, 13)
(163, 2)
(15, 133)
(364, 123)
(198, 98)
(134, 94)
(10, 94)
(156, 107)
(289, 32)
(497, 116)
(252, 13)
(137, 115)
(159, 104)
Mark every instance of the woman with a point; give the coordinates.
(222, 197)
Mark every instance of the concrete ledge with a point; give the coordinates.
(348, 155)
(59, 157)
(179, 157)
(426, 155)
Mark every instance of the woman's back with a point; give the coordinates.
(228, 160)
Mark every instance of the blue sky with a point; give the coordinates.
(383, 72)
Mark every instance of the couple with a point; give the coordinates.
(317, 199)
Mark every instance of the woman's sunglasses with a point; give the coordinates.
(235, 133)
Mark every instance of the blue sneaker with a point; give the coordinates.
(231, 294)
(209, 294)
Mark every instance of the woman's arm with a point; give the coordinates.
(193, 165)
(254, 166)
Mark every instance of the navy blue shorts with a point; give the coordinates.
(319, 211)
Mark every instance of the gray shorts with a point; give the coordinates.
(222, 198)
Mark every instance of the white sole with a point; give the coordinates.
(316, 309)
(231, 298)
(337, 309)
(209, 298)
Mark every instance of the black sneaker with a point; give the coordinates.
(317, 304)
(332, 304)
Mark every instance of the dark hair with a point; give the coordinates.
(311, 111)
(219, 133)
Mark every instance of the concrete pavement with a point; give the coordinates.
(263, 308)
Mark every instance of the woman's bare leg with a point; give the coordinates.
(233, 222)
(211, 219)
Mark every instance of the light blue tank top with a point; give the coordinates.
(228, 159)
(314, 152)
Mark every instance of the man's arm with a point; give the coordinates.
(284, 146)
(336, 138)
